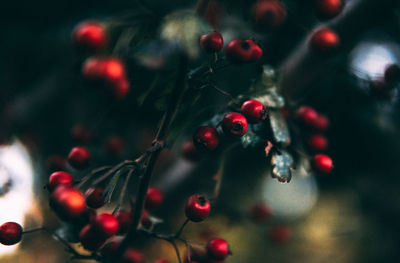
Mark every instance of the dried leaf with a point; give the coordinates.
(280, 131)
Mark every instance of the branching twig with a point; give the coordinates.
(123, 190)
(91, 174)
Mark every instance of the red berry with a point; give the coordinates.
(124, 219)
(196, 255)
(90, 239)
(60, 178)
(154, 198)
(68, 202)
(106, 225)
(206, 138)
(329, 8)
(318, 143)
(110, 248)
(79, 157)
(217, 249)
(197, 208)
(145, 220)
(121, 89)
(324, 40)
(90, 36)
(306, 115)
(132, 255)
(322, 163)
(392, 73)
(10, 233)
(190, 152)
(81, 134)
(114, 145)
(261, 212)
(234, 124)
(55, 163)
(280, 234)
(212, 42)
(241, 51)
(161, 260)
(254, 111)
(321, 123)
(269, 13)
(95, 197)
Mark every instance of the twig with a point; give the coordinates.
(179, 232)
(112, 171)
(123, 190)
(91, 174)
(178, 254)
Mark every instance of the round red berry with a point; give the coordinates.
(254, 111)
(324, 41)
(261, 212)
(329, 8)
(197, 208)
(68, 202)
(241, 51)
(90, 36)
(306, 115)
(79, 157)
(90, 239)
(95, 197)
(318, 143)
(10, 233)
(322, 163)
(212, 42)
(190, 152)
(321, 123)
(114, 145)
(106, 225)
(234, 124)
(60, 178)
(206, 138)
(269, 13)
(154, 198)
(392, 73)
(280, 234)
(132, 255)
(124, 219)
(217, 249)
(161, 260)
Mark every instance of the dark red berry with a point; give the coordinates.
(106, 225)
(90, 36)
(197, 208)
(81, 134)
(217, 249)
(79, 157)
(132, 255)
(114, 145)
(254, 111)
(261, 212)
(318, 143)
(190, 152)
(324, 41)
(154, 198)
(212, 42)
(269, 13)
(68, 202)
(55, 163)
(110, 248)
(124, 219)
(90, 239)
(321, 123)
(256, 51)
(322, 163)
(145, 220)
(95, 197)
(206, 138)
(306, 115)
(392, 73)
(280, 234)
(161, 260)
(329, 8)
(60, 178)
(234, 124)
(242, 51)
(196, 255)
(10, 233)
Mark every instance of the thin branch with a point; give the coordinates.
(178, 254)
(123, 190)
(91, 174)
(179, 232)
(112, 171)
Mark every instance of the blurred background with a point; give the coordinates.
(351, 215)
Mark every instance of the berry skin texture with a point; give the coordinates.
(79, 158)
(234, 124)
(154, 198)
(322, 163)
(329, 8)
(197, 208)
(212, 42)
(269, 13)
(67, 202)
(124, 219)
(261, 212)
(254, 111)
(90, 36)
(317, 143)
(132, 255)
(95, 197)
(217, 249)
(60, 178)
(106, 225)
(10, 233)
(324, 41)
(89, 239)
(243, 51)
(280, 234)
(206, 138)
(189, 152)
